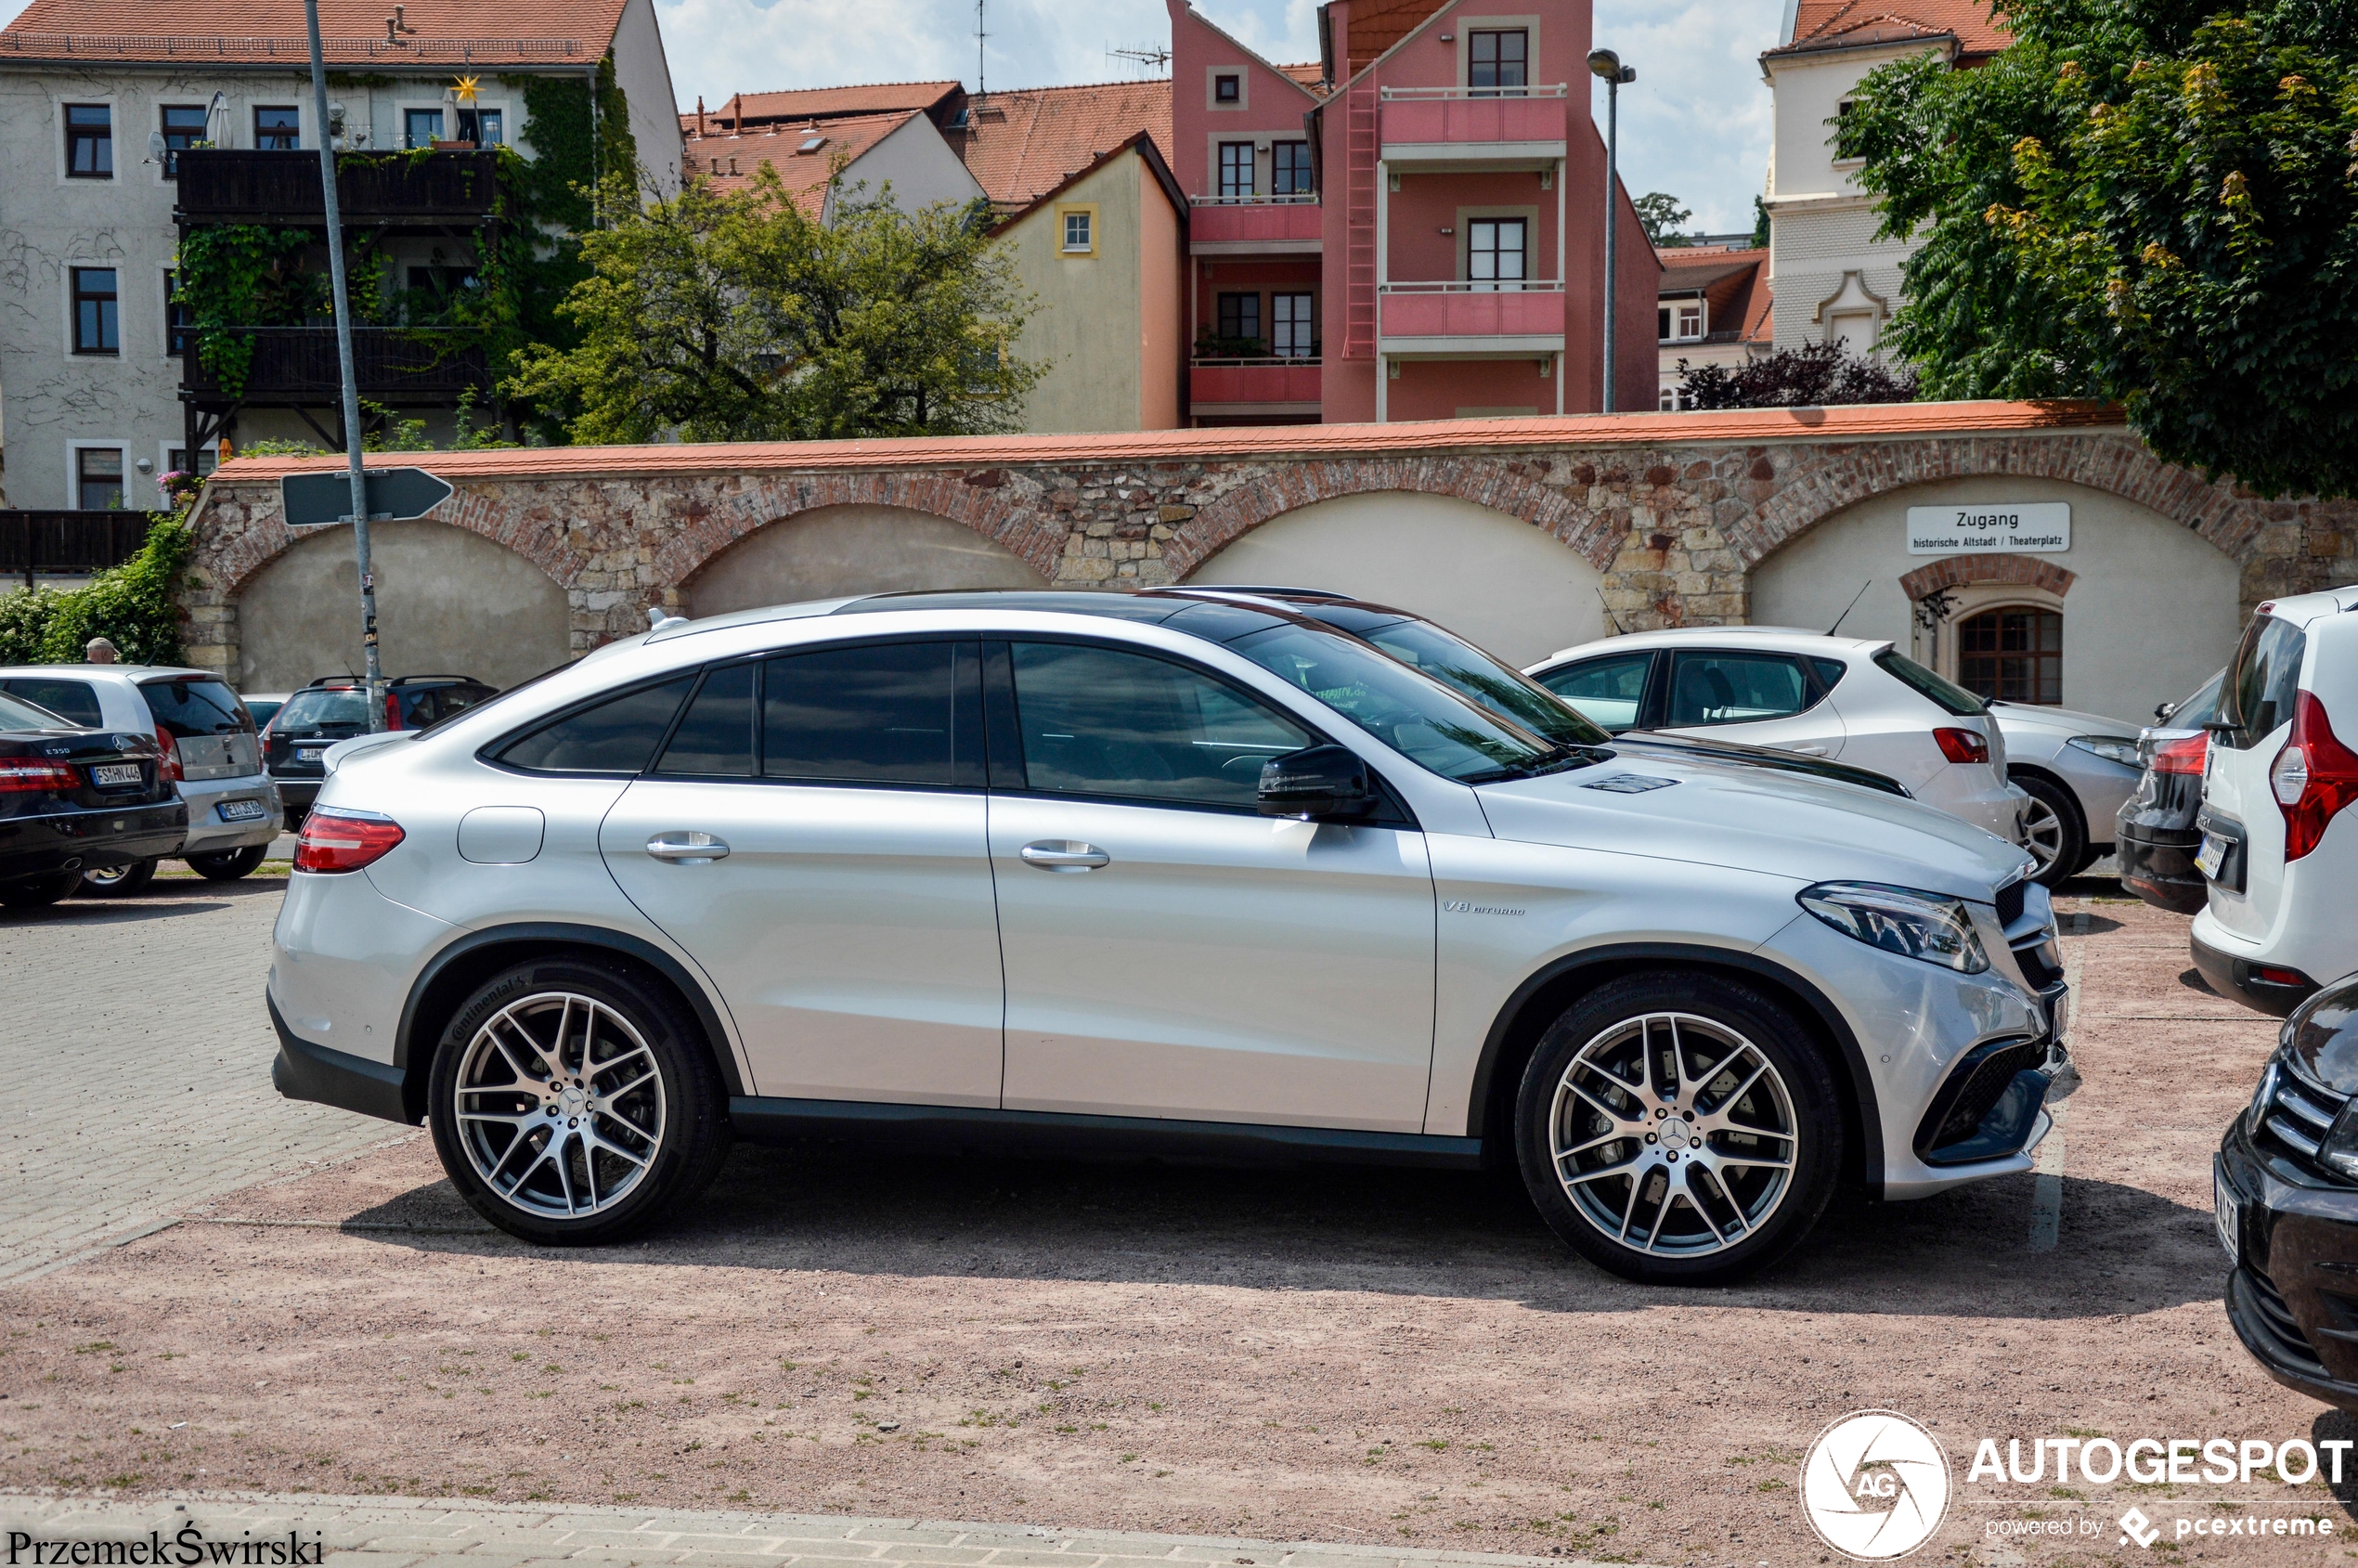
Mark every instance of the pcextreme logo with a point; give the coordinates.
(1874, 1485)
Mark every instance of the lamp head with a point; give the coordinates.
(1607, 65)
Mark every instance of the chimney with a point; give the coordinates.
(700, 129)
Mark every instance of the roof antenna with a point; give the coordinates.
(1618, 631)
(979, 35)
(1852, 606)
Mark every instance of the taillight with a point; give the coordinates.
(17, 777)
(168, 768)
(1963, 745)
(393, 711)
(2182, 756)
(2313, 777)
(334, 840)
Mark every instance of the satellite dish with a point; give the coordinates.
(155, 147)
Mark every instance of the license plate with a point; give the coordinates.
(240, 810)
(2212, 855)
(2059, 1015)
(2227, 1213)
(309, 753)
(114, 773)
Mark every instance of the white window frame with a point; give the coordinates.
(73, 470)
(1674, 308)
(1065, 212)
(114, 123)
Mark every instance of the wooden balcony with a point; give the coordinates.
(69, 542)
(296, 368)
(226, 185)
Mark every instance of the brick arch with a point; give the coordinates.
(1502, 486)
(1962, 571)
(977, 501)
(539, 541)
(2116, 464)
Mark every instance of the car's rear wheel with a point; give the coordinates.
(1678, 1129)
(33, 893)
(229, 865)
(2051, 831)
(118, 881)
(574, 1102)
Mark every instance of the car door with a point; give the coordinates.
(2239, 809)
(812, 833)
(1172, 952)
(1757, 697)
(1610, 691)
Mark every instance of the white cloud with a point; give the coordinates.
(1697, 122)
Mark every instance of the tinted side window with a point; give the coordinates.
(1735, 688)
(75, 701)
(1103, 721)
(1950, 696)
(1830, 672)
(617, 736)
(1607, 690)
(717, 737)
(884, 714)
(2264, 678)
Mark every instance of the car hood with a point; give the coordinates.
(1756, 819)
(2064, 721)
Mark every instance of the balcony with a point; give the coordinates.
(223, 185)
(1458, 320)
(32, 542)
(1223, 226)
(1470, 127)
(296, 368)
(1254, 386)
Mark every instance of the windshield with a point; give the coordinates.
(1474, 674)
(1939, 688)
(1415, 715)
(15, 714)
(332, 708)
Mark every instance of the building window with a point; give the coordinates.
(175, 460)
(2014, 654)
(1227, 87)
(1291, 169)
(420, 127)
(485, 127)
(1496, 253)
(89, 141)
(1291, 334)
(1498, 64)
(1681, 320)
(1239, 316)
(177, 323)
(1080, 230)
(97, 478)
(1235, 168)
(182, 126)
(98, 326)
(278, 130)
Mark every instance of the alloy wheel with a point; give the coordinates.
(2042, 833)
(559, 1105)
(1673, 1135)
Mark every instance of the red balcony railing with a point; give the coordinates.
(1456, 116)
(1253, 220)
(1472, 310)
(1254, 381)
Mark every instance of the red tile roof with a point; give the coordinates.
(1844, 24)
(1020, 145)
(1376, 25)
(1737, 426)
(1310, 74)
(447, 34)
(728, 161)
(831, 103)
(1735, 282)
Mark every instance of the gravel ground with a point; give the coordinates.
(1353, 1356)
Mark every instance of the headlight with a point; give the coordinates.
(2112, 748)
(1926, 926)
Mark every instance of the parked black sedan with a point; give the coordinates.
(2154, 837)
(2285, 1189)
(73, 800)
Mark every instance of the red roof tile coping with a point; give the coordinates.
(445, 33)
(1834, 24)
(1864, 421)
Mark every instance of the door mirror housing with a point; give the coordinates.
(1317, 783)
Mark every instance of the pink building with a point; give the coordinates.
(1409, 230)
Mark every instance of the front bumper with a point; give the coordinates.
(2159, 867)
(84, 840)
(2243, 979)
(298, 796)
(2293, 1295)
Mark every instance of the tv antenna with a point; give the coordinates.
(1150, 56)
(979, 36)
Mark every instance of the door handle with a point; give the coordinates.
(1807, 750)
(1064, 854)
(687, 848)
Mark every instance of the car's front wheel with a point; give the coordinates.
(1678, 1129)
(573, 1102)
(2051, 831)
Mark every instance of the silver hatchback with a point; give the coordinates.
(1150, 872)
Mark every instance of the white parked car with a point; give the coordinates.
(1856, 699)
(1150, 872)
(210, 753)
(2077, 770)
(2280, 846)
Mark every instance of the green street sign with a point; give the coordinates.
(313, 500)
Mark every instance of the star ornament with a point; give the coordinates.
(465, 88)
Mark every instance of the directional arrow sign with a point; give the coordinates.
(311, 501)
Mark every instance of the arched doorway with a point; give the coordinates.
(1483, 574)
(834, 551)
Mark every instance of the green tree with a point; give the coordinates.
(736, 316)
(2154, 202)
(1759, 224)
(1660, 212)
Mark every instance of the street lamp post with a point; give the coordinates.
(1605, 63)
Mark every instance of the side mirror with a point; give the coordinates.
(1317, 783)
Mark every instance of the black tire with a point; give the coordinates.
(1796, 1090)
(118, 881)
(686, 1107)
(2068, 836)
(229, 865)
(34, 892)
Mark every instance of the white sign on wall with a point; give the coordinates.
(2038, 527)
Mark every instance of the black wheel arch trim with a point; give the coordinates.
(547, 935)
(1627, 955)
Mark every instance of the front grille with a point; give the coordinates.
(2297, 1118)
(1973, 1089)
(2011, 900)
(2274, 1322)
(2037, 956)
